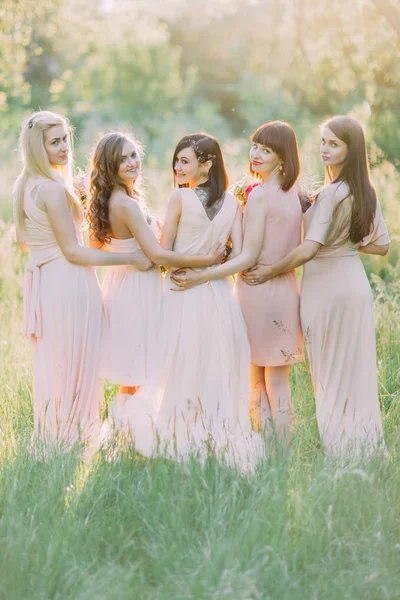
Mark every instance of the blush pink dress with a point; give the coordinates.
(63, 312)
(202, 404)
(272, 309)
(338, 324)
(131, 352)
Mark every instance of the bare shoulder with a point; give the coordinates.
(176, 197)
(124, 204)
(257, 196)
(53, 193)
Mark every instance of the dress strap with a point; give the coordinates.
(35, 191)
(32, 309)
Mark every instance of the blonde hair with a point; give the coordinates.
(36, 162)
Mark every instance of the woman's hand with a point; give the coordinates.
(187, 279)
(217, 254)
(141, 261)
(257, 274)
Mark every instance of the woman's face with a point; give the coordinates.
(263, 159)
(188, 169)
(56, 144)
(333, 150)
(129, 168)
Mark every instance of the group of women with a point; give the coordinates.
(205, 369)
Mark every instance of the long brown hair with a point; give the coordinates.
(355, 172)
(281, 138)
(206, 147)
(106, 160)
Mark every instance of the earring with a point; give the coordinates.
(281, 166)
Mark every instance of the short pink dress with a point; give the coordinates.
(132, 320)
(63, 312)
(272, 309)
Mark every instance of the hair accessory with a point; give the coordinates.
(30, 124)
(199, 152)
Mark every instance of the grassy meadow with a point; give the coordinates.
(300, 528)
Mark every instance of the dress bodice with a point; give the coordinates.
(328, 222)
(131, 244)
(283, 223)
(197, 234)
(44, 248)
(39, 235)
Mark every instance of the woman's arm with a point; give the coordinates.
(138, 226)
(59, 213)
(298, 257)
(139, 258)
(252, 243)
(374, 249)
(94, 243)
(171, 222)
(237, 234)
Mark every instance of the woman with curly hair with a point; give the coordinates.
(132, 298)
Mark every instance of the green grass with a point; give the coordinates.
(300, 528)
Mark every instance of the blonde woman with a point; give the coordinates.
(62, 301)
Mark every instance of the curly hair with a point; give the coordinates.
(106, 160)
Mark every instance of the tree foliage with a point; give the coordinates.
(232, 64)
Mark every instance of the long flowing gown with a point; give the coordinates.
(272, 310)
(132, 320)
(338, 325)
(63, 312)
(203, 402)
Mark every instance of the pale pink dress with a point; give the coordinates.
(131, 352)
(63, 311)
(203, 402)
(272, 309)
(338, 324)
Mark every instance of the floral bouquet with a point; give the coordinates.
(82, 187)
(242, 188)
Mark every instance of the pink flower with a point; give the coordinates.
(250, 188)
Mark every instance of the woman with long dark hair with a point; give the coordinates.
(119, 223)
(336, 301)
(202, 405)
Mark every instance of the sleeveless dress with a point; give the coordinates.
(338, 325)
(203, 402)
(63, 312)
(132, 320)
(272, 309)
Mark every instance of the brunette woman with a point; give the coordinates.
(272, 223)
(119, 222)
(336, 300)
